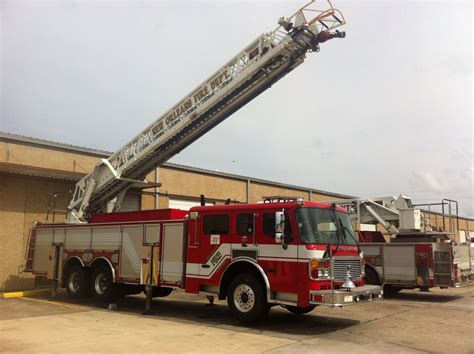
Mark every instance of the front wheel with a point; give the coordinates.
(299, 310)
(371, 276)
(246, 299)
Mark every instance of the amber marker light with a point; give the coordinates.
(314, 265)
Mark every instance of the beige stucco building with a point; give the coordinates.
(37, 176)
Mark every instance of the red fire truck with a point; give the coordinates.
(294, 253)
(416, 252)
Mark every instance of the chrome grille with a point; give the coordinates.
(340, 268)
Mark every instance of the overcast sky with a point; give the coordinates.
(387, 110)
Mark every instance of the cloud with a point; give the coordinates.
(427, 182)
(353, 119)
(449, 184)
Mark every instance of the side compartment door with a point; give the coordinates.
(56, 251)
(172, 254)
(399, 264)
(151, 262)
(42, 250)
(130, 254)
(462, 263)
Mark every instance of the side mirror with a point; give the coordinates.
(279, 222)
(280, 228)
(279, 237)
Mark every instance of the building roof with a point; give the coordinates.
(103, 153)
(34, 172)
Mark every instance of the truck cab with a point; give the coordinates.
(298, 254)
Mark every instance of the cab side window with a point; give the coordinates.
(216, 224)
(288, 232)
(245, 224)
(269, 224)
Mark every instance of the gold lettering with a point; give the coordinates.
(157, 128)
(199, 95)
(218, 80)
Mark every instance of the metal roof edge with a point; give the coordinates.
(43, 142)
(254, 179)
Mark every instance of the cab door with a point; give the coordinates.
(279, 261)
(209, 244)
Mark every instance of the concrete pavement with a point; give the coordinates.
(440, 321)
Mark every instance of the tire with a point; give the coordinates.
(102, 285)
(390, 290)
(127, 289)
(77, 282)
(158, 291)
(299, 310)
(246, 298)
(371, 276)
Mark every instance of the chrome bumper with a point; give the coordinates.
(343, 297)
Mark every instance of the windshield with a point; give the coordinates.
(323, 226)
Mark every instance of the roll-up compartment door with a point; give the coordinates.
(131, 251)
(399, 263)
(172, 257)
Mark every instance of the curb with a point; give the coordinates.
(25, 293)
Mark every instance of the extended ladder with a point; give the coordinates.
(258, 66)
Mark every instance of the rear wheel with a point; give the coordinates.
(77, 282)
(246, 298)
(102, 285)
(299, 310)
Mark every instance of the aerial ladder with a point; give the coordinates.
(253, 70)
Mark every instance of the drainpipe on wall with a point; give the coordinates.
(157, 189)
(248, 191)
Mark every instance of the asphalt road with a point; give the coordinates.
(411, 321)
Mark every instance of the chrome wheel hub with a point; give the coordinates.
(244, 298)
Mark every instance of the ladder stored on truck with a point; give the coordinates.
(253, 70)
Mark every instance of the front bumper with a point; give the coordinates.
(343, 297)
